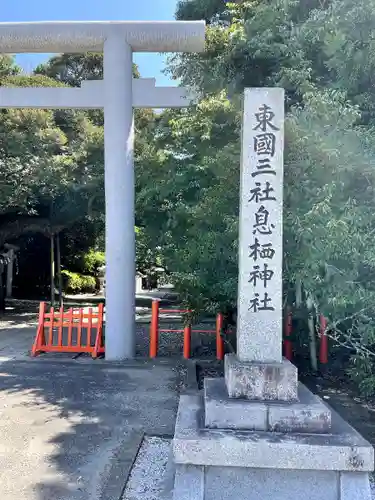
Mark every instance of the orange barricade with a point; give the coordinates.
(187, 331)
(323, 350)
(60, 331)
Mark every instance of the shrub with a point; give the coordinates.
(78, 283)
(92, 261)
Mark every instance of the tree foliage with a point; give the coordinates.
(187, 161)
(45, 171)
(52, 165)
(73, 69)
(324, 60)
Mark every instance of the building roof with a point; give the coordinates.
(89, 36)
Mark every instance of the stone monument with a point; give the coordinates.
(258, 434)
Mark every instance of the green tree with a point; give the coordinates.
(40, 163)
(46, 178)
(312, 49)
(53, 176)
(72, 69)
(8, 66)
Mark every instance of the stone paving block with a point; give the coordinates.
(221, 412)
(310, 414)
(355, 486)
(189, 483)
(229, 483)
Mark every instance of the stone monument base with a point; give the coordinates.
(221, 464)
(307, 414)
(261, 381)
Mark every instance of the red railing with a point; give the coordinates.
(323, 347)
(288, 345)
(187, 331)
(323, 344)
(69, 332)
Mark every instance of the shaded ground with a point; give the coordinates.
(70, 430)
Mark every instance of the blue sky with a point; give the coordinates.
(150, 65)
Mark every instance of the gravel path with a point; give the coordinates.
(146, 481)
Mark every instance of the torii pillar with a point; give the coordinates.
(117, 94)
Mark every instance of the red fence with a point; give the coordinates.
(323, 344)
(69, 332)
(155, 330)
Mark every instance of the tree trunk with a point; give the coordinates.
(58, 265)
(2, 291)
(52, 255)
(9, 279)
(298, 293)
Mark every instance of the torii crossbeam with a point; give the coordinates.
(118, 93)
(91, 96)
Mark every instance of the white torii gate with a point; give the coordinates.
(117, 94)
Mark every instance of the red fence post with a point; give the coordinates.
(89, 327)
(99, 344)
(40, 338)
(219, 339)
(323, 351)
(187, 341)
(70, 327)
(288, 346)
(80, 325)
(154, 329)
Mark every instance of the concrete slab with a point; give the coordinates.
(342, 450)
(309, 415)
(71, 430)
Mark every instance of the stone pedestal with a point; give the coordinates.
(258, 434)
(217, 456)
(261, 381)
